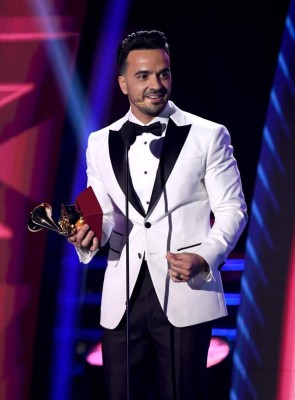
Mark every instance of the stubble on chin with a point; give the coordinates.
(150, 110)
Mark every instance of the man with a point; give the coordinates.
(174, 251)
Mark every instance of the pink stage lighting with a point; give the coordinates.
(219, 349)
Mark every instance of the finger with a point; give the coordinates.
(86, 241)
(72, 239)
(171, 256)
(77, 238)
(95, 244)
(175, 263)
(82, 232)
(177, 276)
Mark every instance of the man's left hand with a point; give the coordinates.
(184, 266)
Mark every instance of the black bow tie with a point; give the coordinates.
(155, 128)
(130, 130)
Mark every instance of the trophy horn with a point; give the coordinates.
(86, 208)
(41, 217)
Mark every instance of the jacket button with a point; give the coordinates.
(147, 224)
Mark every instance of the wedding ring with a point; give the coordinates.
(178, 276)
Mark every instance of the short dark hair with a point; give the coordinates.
(139, 40)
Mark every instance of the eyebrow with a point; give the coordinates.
(146, 71)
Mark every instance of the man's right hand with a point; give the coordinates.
(84, 239)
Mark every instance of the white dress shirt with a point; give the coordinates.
(144, 155)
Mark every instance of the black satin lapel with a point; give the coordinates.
(117, 156)
(174, 141)
(118, 160)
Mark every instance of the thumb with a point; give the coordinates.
(171, 255)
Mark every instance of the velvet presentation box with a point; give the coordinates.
(90, 210)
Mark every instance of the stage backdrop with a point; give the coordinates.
(264, 355)
(32, 104)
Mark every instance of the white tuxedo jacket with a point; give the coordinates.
(197, 174)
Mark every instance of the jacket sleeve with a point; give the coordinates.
(227, 202)
(94, 180)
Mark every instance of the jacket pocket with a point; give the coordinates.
(189, 247)
(191, 160)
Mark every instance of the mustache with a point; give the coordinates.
(162, 91)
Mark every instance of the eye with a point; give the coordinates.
(142, 76)
(165, 75)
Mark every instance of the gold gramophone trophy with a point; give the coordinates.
(86, 209)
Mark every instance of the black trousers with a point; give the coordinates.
(166, 363)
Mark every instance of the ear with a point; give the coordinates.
(122, 84)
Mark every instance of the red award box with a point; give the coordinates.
(90, 210)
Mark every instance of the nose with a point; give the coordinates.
(155, 82)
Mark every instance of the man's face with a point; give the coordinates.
(147, 82)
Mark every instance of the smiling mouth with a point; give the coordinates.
(155, 97)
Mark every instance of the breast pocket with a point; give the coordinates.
(191, 160)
